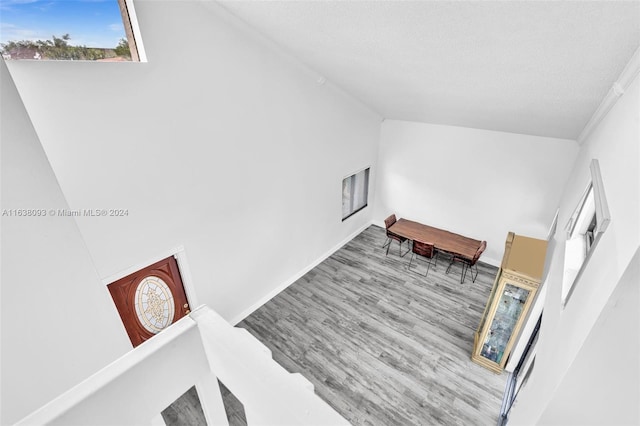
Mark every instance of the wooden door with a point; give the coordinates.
(150, 300)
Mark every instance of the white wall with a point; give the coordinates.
(58, 325)
(602, 385)
(478, 183)
(200, 348)
(614, 143)
(137, 387)
(221, 143)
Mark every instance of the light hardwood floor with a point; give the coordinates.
(187, 410)
(381, 344)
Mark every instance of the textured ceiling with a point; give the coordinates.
(531, 67)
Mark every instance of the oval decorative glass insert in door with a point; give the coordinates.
(154, 304)
(150, 299)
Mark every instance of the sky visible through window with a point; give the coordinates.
(90, 23)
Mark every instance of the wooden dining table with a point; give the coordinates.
(442, 240)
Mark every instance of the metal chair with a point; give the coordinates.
(468, 263)
(391, 237)
(426, 250)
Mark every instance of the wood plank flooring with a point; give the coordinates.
(381, 344)
(185, 411)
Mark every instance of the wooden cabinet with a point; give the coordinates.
(513, 292)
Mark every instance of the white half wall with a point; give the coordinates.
(221, 143)
(58, 324)
(478, 183)
(614, 142)
(602, 386)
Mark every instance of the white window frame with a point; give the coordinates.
(132, 31)
(582, 235)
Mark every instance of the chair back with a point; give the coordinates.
(423, 249)
(481, 249)
(390, 221)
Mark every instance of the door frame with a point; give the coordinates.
(180, 255)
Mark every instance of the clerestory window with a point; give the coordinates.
(584, 229)
(86, 30)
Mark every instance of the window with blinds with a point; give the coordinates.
(355, 191)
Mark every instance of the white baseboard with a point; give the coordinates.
(379, 223)
(297, 276)
(490, 261)
(238, 318)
